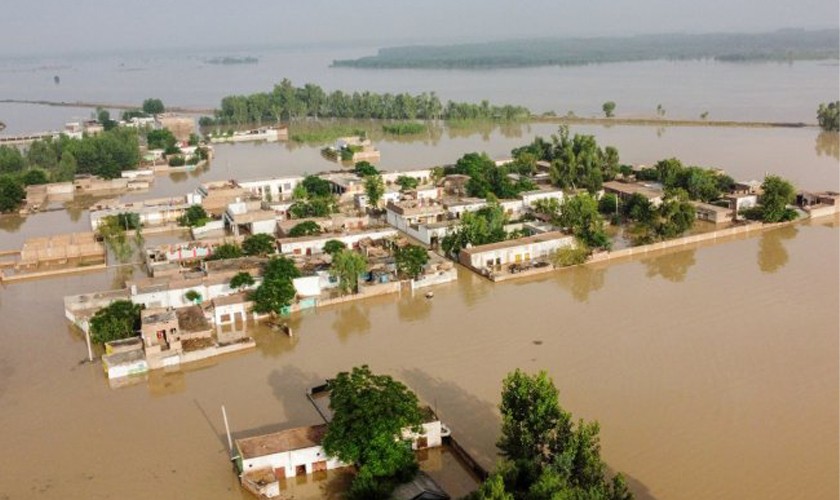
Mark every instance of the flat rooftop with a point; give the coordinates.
(283, 441)
(537, 238)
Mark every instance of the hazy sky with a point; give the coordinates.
(60, 26)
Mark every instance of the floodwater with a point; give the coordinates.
(712, 370)
(685, 89)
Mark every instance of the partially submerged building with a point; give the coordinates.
(485, 258)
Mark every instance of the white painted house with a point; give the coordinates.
(514, 251)
(289, 453)
(274, 188)
(310, 245)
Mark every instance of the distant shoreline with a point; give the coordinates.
(571, 120)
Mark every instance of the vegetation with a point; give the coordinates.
(241, 281)
(580, 215)
(332, 247)
(409, 128)
(783, 45)
(177, 161)
(12, 192)
(374, 189)
(105, 154)
(609, 109)
(364, 169)
(700, 184)
(194, 216)
(485, 225)
(570, 256)
(287, 102)
(486, 178)
(369, 414)
(153, 106)
(547, 455)
(120, 320)
(259, 244)
(672, 218)
(347, 265)
(226, 251)
(276, 291)
(164, 139)
(828, 116)
(407, 183)
(773, 203)
(319, 132)
(411, 259)
(576, 162)
(193, 296)
(313, 198)
(113, 229)
(305, 228)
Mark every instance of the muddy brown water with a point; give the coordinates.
(713, 371)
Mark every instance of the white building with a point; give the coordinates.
(530, 197)
(249, 218)
(272, 189)
(521, 250)
(310, 245)
(289, 453)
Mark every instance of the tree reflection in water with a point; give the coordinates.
(582, 280)
(11, 223)
(772, 254)
(351, 319)
(673, 266)
(828, 144)
(414, 308)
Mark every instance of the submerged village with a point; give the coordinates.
(267, 249)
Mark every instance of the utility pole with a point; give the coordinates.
(227, 430)
(87, 340)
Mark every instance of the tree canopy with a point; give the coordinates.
(276, 291)
(153, 106)
(370, 413)
(777, 195)
(485, 225)
(609, 109)
(305, 228)
(259, 244)
(194, 216)
(226, 251)
(332, 247)
(411, 259)
(347, 265)
(12, 192)
(364, 169)
(581, 216)
(486, 178)
(121, 319)
(241, 280)
(828, 116)
(374, 189)
(406, 183)
(546, 454)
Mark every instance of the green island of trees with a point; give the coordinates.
(287, 103)
(121, 319)
(313, 198)
(828, 116)
(781, 45)
(546, 454)
(369, 414)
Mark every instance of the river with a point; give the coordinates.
(713, 371)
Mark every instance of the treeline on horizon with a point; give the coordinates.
(782, 45)
(287, 103)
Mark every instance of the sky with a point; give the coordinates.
(53, 27)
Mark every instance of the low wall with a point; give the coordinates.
(364, 293)
(438, 278)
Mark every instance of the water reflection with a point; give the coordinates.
(288, 384)
(582, 280)
(772, 254)
(828, 144)
(672, 267)
(11, 223)
(414, 308)
(349, 320)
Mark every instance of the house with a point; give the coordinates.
(712, 213)
(272, 189)
(345, 185)
(522, 250)
(390, 195)
(531, 197)
(288, 453)
(747, 187)
(455, 208)
(413, 212)
(819, 204)
(354, 149)
(423, 176)
(215, 196)
(154, 212)
(624, 190)
(159, 329)
(248, 218)
(312, 245)
(741, 201)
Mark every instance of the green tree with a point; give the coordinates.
(407, 183)
(305, 228)
(828, 116)
(12, 193)
(194, 216)
(103, 116)
(43, 154)
(332, 247)
(374, 189)
(316, 186)
(153, 106)
(370, 413)
(778, 194)
(66, 169)
(608, 204)
(347, 265)
(486, 225)
(259, 244)
(365, 169)
(241, 281)
(276, 291)
(162, 138)
(411, 259)
(609, 109)
(580, 215)
(226, 251)
(11, 160)
(193, 296)
(121, 319)
(34, 176)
